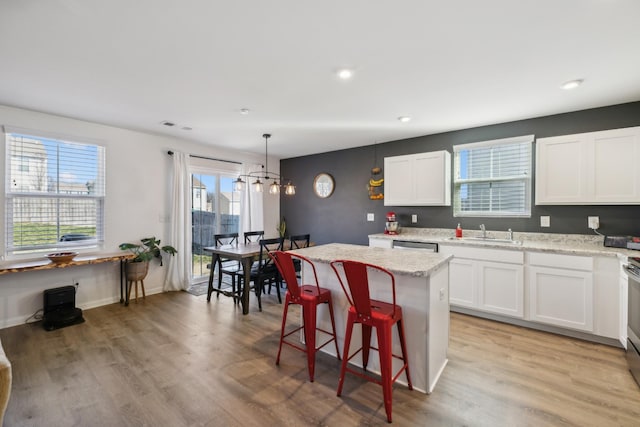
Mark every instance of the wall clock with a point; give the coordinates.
(323, 185)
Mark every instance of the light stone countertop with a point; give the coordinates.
(408, 262)
(569, 244)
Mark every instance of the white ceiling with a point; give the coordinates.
(448, 64)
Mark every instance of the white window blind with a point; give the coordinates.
(55, 193)
(493, 178)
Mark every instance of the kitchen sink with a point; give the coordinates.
(486, 240)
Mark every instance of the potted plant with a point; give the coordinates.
(138, 266)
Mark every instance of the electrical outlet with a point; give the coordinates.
(593, 222)
(414, 218)
(370, 217)
(545, 221)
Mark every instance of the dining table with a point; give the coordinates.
(246, 254)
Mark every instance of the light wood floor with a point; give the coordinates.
(174, 360)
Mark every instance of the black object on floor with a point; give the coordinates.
(60, 308)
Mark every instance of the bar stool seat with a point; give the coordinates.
(372, 314)
(309, 297)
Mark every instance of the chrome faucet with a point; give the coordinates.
(484, 231)
(510, 234)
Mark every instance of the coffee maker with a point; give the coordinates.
(391, 225)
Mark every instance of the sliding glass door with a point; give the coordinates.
(215, 209)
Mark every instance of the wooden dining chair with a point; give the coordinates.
(265, 271)
(229, 267)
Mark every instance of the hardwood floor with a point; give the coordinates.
(174, 360)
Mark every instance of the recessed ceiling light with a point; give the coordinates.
(572, 84)
(186, 128)
(167, 123)
(404, 119)
(345, 74)
(244, 111)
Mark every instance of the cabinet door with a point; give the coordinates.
(462, 283)
(615, 173)
(432, 172)
(561, 297)
(501, 288)
(398, 180)
(561, 170)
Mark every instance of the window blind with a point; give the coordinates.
(493, 178)
(54, 194)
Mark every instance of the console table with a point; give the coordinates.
(45, 264)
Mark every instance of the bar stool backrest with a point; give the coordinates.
(284, 262)
(356, 275)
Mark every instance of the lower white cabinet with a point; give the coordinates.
(490, 280)
(561, 290)
(376, 242)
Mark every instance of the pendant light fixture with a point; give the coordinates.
(266, 175)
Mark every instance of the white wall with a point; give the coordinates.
(137, 206)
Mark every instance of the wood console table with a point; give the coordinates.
(45, 264)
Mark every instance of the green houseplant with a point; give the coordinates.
(148, 248)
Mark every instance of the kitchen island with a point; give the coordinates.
(422, 290)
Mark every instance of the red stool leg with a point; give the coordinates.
(385, 352)
(345, 352)
(403, 345)
(366, 344)
(284, 322)
(309, 315)
(333, 327)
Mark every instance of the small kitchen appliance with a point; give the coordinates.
(391, 225)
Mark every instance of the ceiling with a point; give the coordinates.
(197, 63)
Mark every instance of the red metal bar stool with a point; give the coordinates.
(309, 297)
(371, 314)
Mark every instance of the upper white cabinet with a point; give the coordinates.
(422, 179)
(589, 168)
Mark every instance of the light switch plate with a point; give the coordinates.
(545, 221)
(370, 217)
(414, 218)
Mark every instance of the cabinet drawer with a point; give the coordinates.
(569, 262)
(484, 254)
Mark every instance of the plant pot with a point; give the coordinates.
(136, 270)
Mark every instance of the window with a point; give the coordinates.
(54, 193)
(215, 209)
(493, 178)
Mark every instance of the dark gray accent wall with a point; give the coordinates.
(343, 216)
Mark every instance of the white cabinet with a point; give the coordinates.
(490, 280)
(589, 168)
(561, 290)
(422, 179)
(379, 242)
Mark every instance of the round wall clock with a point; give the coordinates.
(323, 185)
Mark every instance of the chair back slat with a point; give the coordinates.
(226, 239)
(299, 241)
(253, 236)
